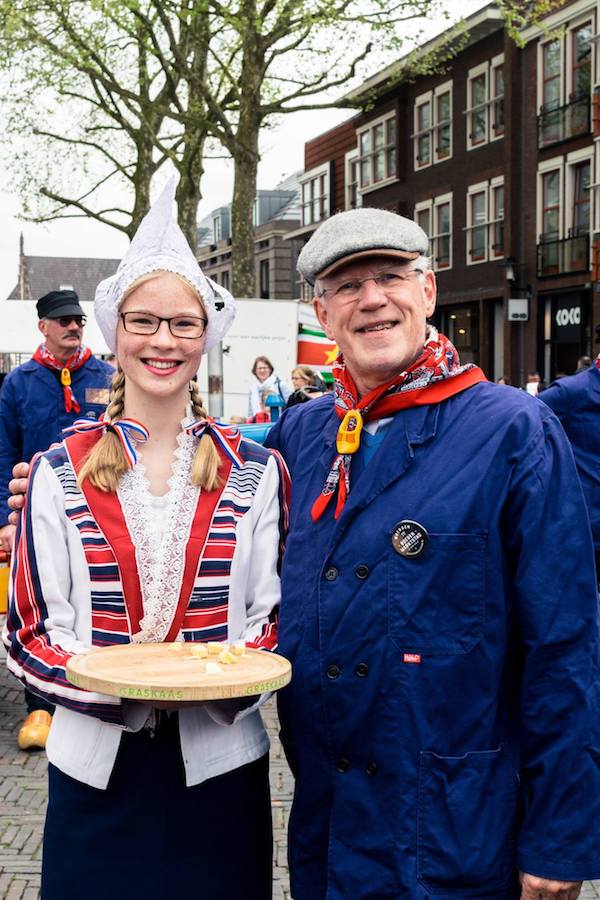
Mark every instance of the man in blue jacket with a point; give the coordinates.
(576, 402)
(439, 607)
(62, 382)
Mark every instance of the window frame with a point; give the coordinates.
(565, 40)
(573, 160)
(496, 64)
(318, 173)
(495, 184)
(488, 188)
(352, 159)
(556, 163)
(433, 130)
(386, 147)
(432, 206)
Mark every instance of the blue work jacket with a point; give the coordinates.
(442, 720)
(576, 402)
(32, 412)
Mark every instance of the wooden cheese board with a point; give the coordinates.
(160, 672)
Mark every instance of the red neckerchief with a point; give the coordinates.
(436, 375)
(43, 356)
(598, 362)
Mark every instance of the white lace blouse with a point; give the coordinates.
(160, 528)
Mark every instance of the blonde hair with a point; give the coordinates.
(206, 463)
(106, 462)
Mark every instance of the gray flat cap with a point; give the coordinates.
(358, 233)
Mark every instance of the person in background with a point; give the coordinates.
(156, 524)
(265, 381)
(575, 399)
(62, 382)
(439, 607)
(583, 363)
(534, 384)
(503, 380)
(307, 384)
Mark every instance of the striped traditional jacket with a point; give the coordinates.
(75, 584)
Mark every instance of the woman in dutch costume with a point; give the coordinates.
(155, 525)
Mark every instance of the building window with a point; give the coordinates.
(485, 97)
(564, 213)
(432, 136)
(581, 61)
(217, 229)
(225, 279)
(580, 217)
(478, 216)
(423, 217)
(485, 221)
(551, 205)
(422, 135)
(442, 213)
(443, 125)
(352, 180)
(497, 100)
(315, 195)
(497, 194)
(564, 84)
(376, 161)
(435, 218)
(264, 279)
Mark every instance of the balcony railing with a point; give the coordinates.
(561, 257)
(563, 122)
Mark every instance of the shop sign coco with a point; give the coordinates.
(571, 316)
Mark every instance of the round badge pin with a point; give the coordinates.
(409, 538)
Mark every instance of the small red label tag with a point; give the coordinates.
(412, 658)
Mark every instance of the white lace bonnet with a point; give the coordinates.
(159, 243)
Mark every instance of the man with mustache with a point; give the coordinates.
(439, 607)
(62, 382)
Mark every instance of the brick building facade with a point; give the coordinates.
(495, 158)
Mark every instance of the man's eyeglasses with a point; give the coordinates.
(388, 282)
(65, 321)
(179, 326)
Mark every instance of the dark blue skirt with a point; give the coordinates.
(149, 837)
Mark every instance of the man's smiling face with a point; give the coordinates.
(381, 331)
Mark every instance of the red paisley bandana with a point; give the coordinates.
(436, 375)
(43, 356)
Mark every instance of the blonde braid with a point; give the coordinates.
(205, 467)
(106, 462)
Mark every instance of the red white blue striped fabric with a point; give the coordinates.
(224, 436)
(204, 602)
(129, 432)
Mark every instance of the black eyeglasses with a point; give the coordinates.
(179, 326)
(65, 321)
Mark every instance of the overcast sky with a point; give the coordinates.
(282, 153)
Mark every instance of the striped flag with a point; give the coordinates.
(315, 349)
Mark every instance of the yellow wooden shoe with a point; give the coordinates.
(34, 731)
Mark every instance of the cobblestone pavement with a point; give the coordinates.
(23, 802)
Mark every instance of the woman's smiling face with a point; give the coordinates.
(160, 365)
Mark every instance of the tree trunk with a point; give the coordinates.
(188, 194)
(245, 156)
(144, 170)
(242, 231)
